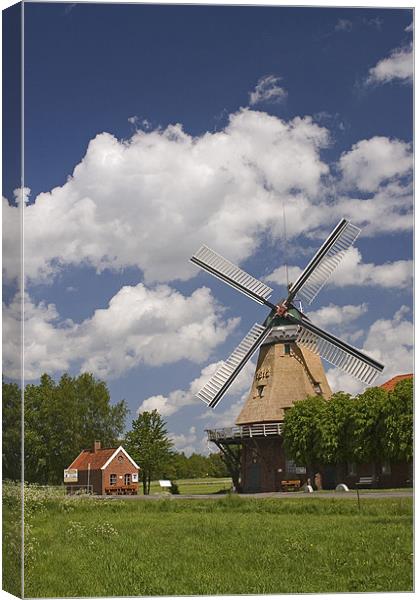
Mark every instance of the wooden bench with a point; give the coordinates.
(121, 491)
(290, 485)
(367, 481)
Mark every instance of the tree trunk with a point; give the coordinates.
(145, 492)
(148, 484)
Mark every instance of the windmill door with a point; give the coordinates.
(254, 477)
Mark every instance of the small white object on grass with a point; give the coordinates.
(165, 483)
(341, 487)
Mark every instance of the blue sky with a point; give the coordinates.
(152, 129)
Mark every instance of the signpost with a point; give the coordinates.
(70, 476)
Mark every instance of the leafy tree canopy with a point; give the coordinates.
(62, 419)
(149, 445)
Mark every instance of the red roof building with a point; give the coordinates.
(102, 471)
(391, 383)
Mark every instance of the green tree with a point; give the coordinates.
(302, 431)
(12, 418)
(398, 422)
(336, 431)
(367, 427)
(149, 445)
(217, 466)
(62, 419)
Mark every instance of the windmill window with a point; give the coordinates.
(113, 479)
(287, 348)
(260, 390)
(317, 388)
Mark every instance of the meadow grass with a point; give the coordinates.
(232, 545)
(209, 485)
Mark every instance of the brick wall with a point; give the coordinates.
(120, 465)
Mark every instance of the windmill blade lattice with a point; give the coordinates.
(307, 286)
(217, 386)
(223, 269)
(338, 353)
(325, 261)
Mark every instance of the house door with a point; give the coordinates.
(127, 479)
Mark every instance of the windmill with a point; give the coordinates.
(305, 288)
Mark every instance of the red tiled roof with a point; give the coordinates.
(389, 385)
(96, 459)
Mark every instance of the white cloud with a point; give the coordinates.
(343, 25)
(376, 22)
(267, 90)
(337, 316)
(372, 162)
(389, 210)
(353, 271)
(397, 66)
(388, 340)
(189, 443)
(410, 27)
(22, 195)
(140, 325)
(177, 399)
(151, 201)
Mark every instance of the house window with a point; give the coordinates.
(127, 479)
(287, 348)
(113, 479)
(260, 391)
(386, 468)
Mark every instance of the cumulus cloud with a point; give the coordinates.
(177, 399)
(389, 210)
(398, 66)
(388, 340)
(188, 443)
(373, 162)
(334, 315)
(353, 271)
(151, 201)
(267, 90)
(140, 326)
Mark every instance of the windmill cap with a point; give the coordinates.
(282, 332)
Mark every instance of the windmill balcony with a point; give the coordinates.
(235, 434)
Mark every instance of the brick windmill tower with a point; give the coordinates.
(289, 366)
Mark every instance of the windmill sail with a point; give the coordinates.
(223, 269)
(217, 386)
(318, 271)
(338, 353)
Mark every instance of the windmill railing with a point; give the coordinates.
(244, 431)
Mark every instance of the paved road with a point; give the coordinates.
(352, 494)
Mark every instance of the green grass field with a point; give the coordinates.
(230, 545)
(209, 485)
